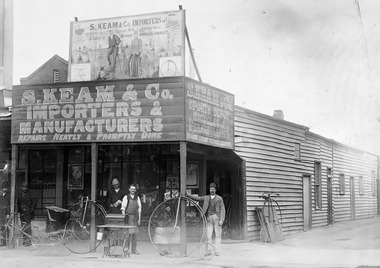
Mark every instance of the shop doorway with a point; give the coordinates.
(226, 175)
(42, 179)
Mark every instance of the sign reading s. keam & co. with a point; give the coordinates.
(99, 111)
(209, 115)
(140, 46)
(161, 109)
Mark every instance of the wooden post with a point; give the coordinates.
(94, 171)
(13, 191)
(183, 154)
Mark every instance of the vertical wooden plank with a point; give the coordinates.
(378, 184)
(13, 190)
(243, 183)
(183, 154)
(59, 178)
(330, 219)
(352, 200)
(203, 179)
(94, 171)
(306, 203)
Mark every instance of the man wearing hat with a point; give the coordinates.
(115, 197)
(214, 211)
(4, 211)
(25, 207)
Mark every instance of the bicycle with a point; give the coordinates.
(271, 225)
(78, 228)
(165, 226)
(15, 234)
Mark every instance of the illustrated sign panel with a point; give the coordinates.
(209, 115)
(142, 46)
(99, 111)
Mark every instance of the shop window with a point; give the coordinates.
(361, 190)
(318, 185)
(342, 186)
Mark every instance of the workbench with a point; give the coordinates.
(116, 235)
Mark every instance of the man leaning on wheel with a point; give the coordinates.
(215, 212)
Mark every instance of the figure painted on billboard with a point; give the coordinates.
(134, 60)
(113, 49)
(102, 75)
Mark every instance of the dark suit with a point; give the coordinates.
(25, 205)
(4, 211)
(112, 198)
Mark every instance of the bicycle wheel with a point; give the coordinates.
(166, 226)
(4, 236)
(206, 250)
(271, 209)
(77, 231)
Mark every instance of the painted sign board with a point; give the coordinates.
(140, 46)
(133, 110)
(101, 111)
(209, 115)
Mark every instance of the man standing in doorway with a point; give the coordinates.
(115, 197)
(214, 210)
(25, 207)
(131, 207)
(4, 212)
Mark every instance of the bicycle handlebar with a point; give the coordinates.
(268, 195)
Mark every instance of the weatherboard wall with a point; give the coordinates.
(318, 149)
(267, 146)
(354, 163)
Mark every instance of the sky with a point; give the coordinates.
(317, 60)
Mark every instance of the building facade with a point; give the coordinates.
(319, 181)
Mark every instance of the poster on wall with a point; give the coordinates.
(76, 177)
(141, 46)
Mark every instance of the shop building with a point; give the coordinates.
(131, 113)
(320, 181)
(165, 135)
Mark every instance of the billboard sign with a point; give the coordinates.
(209, 115)
(141, 46)
(99, 111)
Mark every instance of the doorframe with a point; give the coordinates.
(330, 213)
(306, 201)
(352, 197)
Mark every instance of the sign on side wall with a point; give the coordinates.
(142, 46)
(209, 115)
(99, 111)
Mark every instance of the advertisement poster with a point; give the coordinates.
(142, 46)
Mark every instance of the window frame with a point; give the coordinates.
(342, 184)
(318, 184)
(373, 182)
(297, 151)
(361, 185)
(56, 76)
